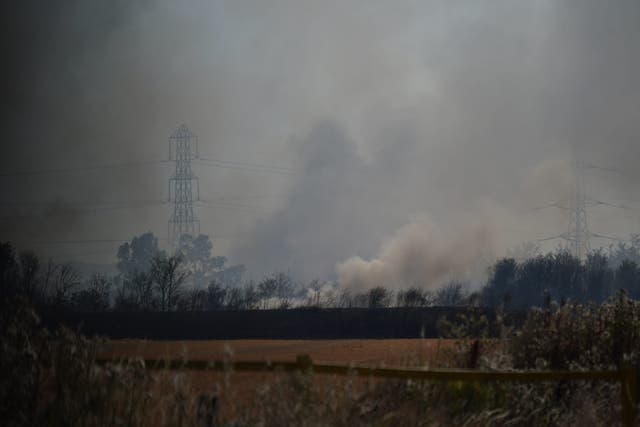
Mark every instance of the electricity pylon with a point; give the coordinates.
(183, 220)
(578, 235)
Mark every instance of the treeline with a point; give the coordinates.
(192, 279)
(560, 277)
(151, 280)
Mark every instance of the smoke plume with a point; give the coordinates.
(419, 254)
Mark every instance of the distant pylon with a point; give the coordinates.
(183, 219)
(578, 235)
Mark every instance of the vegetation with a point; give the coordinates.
(193, 279)
(564, 278)
(52, 379)
(582, 315)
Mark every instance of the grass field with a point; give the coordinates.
(390, 352)
(240, 388)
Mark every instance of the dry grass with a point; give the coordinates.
(53, 380)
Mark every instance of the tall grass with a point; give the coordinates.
(52, 379)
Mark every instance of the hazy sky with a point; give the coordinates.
(459, 115)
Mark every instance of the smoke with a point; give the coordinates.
(386, 110)
(420, 254)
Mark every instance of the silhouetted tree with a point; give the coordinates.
(230, 276)
(627, 277)
(414, 297)
(138, 255)
(598, 277)
(167, 275)
(625, 251)
(379, 297)
(196, 257)
(96, 296)
(65, 281)
(501, 283)
(216, 296)
(276, 291)
(8, 271)
(29, 268)
(193, 299)
(313, 299)
(451, 295)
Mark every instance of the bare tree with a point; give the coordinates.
(48, 278)
(414, 297)
(379, 297)
(95, 297)
(216, 295)
(451, 295)
(267, 291)
(141, 284)
(168, 276)
(193, 299)
(285, 288)
(65, 281)
(315, 286)
(279, 287)
(29, 266)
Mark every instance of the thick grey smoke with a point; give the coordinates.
(463, 112)
(420, 255)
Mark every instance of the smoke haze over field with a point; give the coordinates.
(421, 133)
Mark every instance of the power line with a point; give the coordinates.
(223, 203)
(61, 203)
(82, 168)
(77, 242)
(72, 211)
(226, 164)
(233, 208)
(260, 166)
(99, 241)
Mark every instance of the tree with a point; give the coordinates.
(197, 259)
(48, 278)
(625, 251)
(285, 288)
(8, 270)
(379, 297)
(414, 297)
(451, 295)
(627, 277)
(314, 293)
(566, 276)
(193, 299)
(168, 276)
(216, 295)
(276, 289)
(65, 281)
(230, 276)
(267, 291)
(597, 276)
(501, 285)
(246, 297)
(29, 266)
(138, 255)
(96, 296)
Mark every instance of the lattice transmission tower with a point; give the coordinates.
(578, 235)
(183, 146)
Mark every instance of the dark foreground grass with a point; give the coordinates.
(51, 379)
